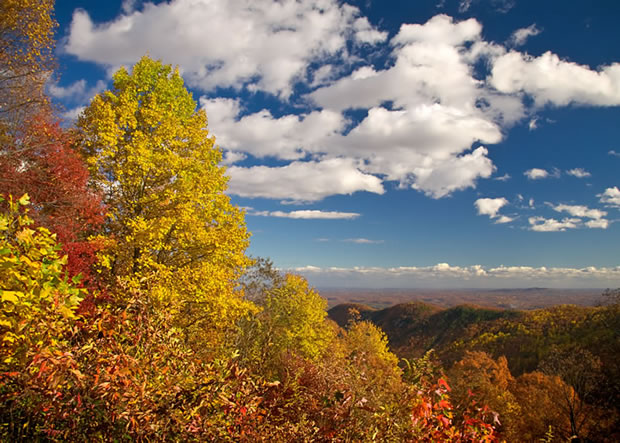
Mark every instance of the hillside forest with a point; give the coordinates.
(130, 310)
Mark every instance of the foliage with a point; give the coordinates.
(37, 322)
(488, 381)
(292, 320)
(43, 163)
(537, 394)
(173, 228)
(26, 59)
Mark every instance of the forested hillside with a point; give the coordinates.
(578, 344)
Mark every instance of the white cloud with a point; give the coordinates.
(77, 92)
(581, 211)
(444, 275)
(520, 36)
(424, 144)
(597, 224)
(302, 181)
(260, 134)
(490, 206)
(362, 241)
(426, 136)
(428, 111)
(536, 173)
(614, 153)
(129, 6)
(308, 214)
(231, 157)
(504, 219)
(579, 173)
(577, 213)
(541, 224)
(503, 178)
(548, 79)
(72, 114)
(611, 197)
(228, 43)
(455, 173)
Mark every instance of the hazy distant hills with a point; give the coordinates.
(526, 298)
(524, 337)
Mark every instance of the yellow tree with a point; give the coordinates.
(26, 57)
(173, 228)
(292, 321)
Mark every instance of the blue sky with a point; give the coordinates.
(470, 143)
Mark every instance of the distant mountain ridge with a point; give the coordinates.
(524, 337)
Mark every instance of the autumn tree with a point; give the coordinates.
(292, 320)
(539, 397)
(42, 162)
(580, 371)
(173, 228)
(488, 381)
(26, 59)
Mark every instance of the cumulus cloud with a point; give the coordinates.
(490, 206)
(597, 224)
(426, 136)
(541, 224)
(77, 92)
(444, 275)
(430, 116)
(225, 43)
(577, 213)
(611, 197)
(536, 173)
(551, 80)
(580, 211)
(520, 36)
(260, 134)
(614, 153)
(579, 173)
(308, 214)
(302, 181)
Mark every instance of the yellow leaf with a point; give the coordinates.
(24, 200)
(11, 296)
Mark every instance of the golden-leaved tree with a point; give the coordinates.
(26, 58)
(173, 230)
